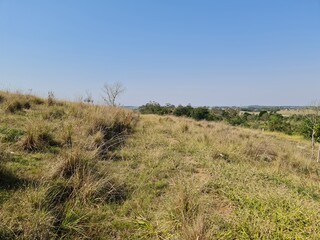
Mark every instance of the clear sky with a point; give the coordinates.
(203, 52)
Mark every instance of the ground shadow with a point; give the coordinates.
(9, 180)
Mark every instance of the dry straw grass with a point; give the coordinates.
(115, 176)
(72, 177)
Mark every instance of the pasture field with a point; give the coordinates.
(290, 112)
(78, 171)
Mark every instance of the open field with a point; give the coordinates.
(291, 112)
(76, 171)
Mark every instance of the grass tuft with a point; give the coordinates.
(37, 138)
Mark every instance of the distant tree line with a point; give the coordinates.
(266, 120)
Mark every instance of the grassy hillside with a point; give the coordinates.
(74, 171)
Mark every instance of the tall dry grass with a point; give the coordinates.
(57, 170)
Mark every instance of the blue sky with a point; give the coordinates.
(213, 52)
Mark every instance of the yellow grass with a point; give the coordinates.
(113, 175)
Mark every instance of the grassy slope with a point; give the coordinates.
(173, 179)
(199, 180)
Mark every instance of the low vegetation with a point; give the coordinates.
(266, 118)
(80, 171)
(54, 168)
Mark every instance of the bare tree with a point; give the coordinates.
(112, 92)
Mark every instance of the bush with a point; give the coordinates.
(236, 121)
(306, 130)
(183, 111)
(201, 113)
(278, 123)
(151, 108)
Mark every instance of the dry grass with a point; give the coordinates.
(51, 173)
(214, 181)
(113, 176)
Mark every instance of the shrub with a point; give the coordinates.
(200, 113)
(151, 108)
(183, 111)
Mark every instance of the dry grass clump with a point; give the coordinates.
(261, 151)
(16, 106)
(81, 173)
(77, 183)
(57, 146)
(24, 219)
(109, 191)
(17, 102)
(54, 113)
(67, 135)
(189, 216)
(75, 163)
(37, 138)
(109, 127)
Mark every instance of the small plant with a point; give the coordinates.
(51, 98)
